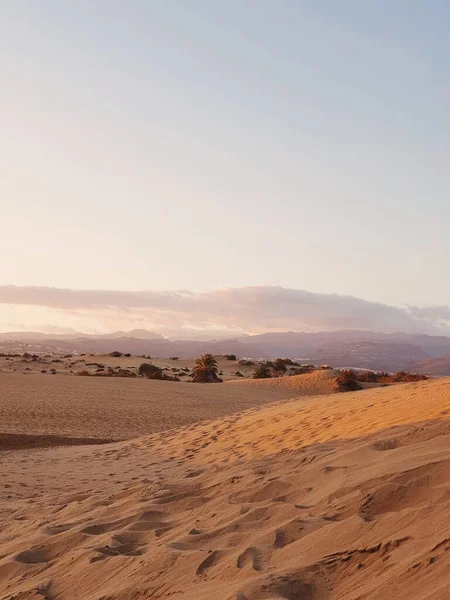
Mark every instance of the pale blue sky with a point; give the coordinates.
(195, 144)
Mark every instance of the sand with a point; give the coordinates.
(121, 408)
(326, 497)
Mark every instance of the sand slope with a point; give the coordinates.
(311, 499)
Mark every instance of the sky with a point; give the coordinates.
(164, 145)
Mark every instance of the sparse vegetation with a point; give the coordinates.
(301, 370)
(262, 371)
(230, 357)
(205, 370)
(116, 354)
(150, 371)
(405, 376)
(279, 366)
(382, 377)
(245, 362)
(174, 358)
(347, 381)
(288, 362)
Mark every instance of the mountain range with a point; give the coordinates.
(345, 348)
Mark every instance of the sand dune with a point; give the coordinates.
(107, 408)
(310, 384)
(342, 496)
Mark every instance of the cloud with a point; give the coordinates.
(251, 309)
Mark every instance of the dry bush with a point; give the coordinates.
(279, 365)
(288, 362)
(405, 377)
(347, 381)
(262, 371)
(150, 371)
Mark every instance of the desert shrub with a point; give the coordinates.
(245, 362)
(405, 376)
(116, 354)
(279, 365)
(230, 357)
(368, 377)
(385, 378)
(347, 381)
(124, 373)
(262, 371)
(150, 371)
(84, 373)
(128, 354)
(205, 370)
(43, 371)
(56, 360)
(174, 358)
(288, 362)
(300, 370)
(53, 371)
(239, 374)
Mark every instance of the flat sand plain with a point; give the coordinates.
(107, 408)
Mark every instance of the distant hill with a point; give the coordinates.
(309, 344)
(380, 356)
(434, 366)
(136, 341)
(142, 334)
(346, 348)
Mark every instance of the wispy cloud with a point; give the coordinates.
(252, 309)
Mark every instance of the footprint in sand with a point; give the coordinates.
(252, 556)
(33, 556)
(128, 549)
(212, 559)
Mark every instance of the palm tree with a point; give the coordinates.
(205, 370)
